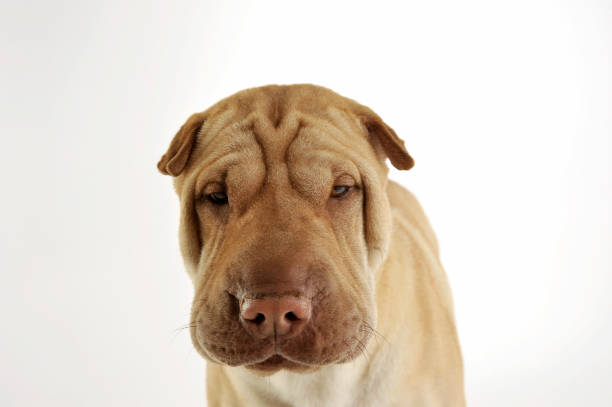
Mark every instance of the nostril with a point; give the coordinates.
(291, 316)
(271, 315)
(259, 318)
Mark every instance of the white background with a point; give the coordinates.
(505, 107)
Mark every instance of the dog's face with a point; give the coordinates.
(284, 222)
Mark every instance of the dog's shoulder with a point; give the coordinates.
(409, 217)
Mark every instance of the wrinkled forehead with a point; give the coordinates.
(257, 142)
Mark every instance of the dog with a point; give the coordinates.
(317, 280)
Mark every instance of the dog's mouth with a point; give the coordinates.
(277, 362)
(298, 355)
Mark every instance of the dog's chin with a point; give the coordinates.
(276, 363)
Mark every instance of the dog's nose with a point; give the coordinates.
(280, 316)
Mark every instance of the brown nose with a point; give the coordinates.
(279, 316)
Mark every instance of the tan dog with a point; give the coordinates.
(317, 280)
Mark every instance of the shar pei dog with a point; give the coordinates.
(317, 280)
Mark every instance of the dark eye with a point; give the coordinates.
(218, 198)
(339, 191)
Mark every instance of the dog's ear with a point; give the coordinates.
(392, 145)
(175, 159)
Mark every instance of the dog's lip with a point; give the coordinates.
(271, 357)
(275, 359)
(276, 362)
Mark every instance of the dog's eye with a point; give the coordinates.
(339, 191)
(218, 198)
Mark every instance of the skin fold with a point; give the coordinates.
(285, 200)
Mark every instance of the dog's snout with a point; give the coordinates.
(275, 316)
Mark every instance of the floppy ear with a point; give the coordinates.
(175, 159)
(392, 145)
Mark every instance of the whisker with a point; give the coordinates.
(361, 350)
(364, 350)
(182, 328)
(189, 325)
(367, 327)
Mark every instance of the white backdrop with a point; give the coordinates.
(505, 107)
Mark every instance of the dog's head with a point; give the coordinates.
(284, 223)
